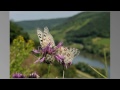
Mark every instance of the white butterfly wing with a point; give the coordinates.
(68, 53)
(47, 37)
(40, 36)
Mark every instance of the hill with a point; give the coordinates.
(86, 24)
(16, 30)
(33, 24)
(88, 31)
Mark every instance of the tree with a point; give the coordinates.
(16, 30)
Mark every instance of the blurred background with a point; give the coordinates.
(87, 31)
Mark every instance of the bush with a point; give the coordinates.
(19, 51)
(16, 30)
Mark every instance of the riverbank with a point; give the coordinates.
(94, 57)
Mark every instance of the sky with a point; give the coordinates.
(35, 15)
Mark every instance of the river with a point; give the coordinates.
(93, 62)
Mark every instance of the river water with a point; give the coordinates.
(92, 62)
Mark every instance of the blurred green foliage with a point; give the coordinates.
(19, 51)
(16, 30)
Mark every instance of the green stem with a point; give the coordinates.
(97, 72)
(106, 68)
(48, 70)
(63, 72)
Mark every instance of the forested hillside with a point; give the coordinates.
(16, 30)
(33, 24)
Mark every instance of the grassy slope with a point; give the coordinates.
(81, 23)
(102, 41)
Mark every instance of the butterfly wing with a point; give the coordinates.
(68, 53)
(47, 37)
(40, 36)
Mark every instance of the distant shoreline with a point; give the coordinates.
(92, 56)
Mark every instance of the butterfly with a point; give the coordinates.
(45, 37)
(68, 53)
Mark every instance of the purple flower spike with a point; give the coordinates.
(35, 51)
(18, 75)
(49, 50)
(37, 60)
(47, 47)
(44, 50)
(42, 59)
(33, 75)
(57, 58)
(60, 44)
(61, 57)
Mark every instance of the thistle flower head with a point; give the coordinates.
(47, 50)
(40, 60)
(35, 51)
(33, 75)
(48, 53)
(59, 58)
(18, 75)
(59, 45)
